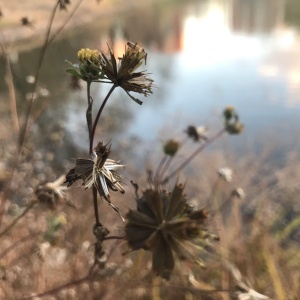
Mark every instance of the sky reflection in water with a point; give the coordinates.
(203, 56)
(258, 72)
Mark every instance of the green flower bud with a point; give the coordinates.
(234, 128)
(229, 112)
(171, 147)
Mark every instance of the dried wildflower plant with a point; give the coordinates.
(163, 222)
(52, 192)
(232, 122)
(197, 134)
(88, 67)
(98, 171)
(166, 225)
(95, 66)
(123, 73)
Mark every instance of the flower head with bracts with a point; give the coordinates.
(166, 225)
(123, 73)
(98, 171)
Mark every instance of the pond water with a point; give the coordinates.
(203, 55)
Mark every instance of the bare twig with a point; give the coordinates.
(17, 219)
(57, 32)
(11, 90)
(193, 155)
(19, 242)
(41, 58)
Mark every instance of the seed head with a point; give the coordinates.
(164, 224)
(171, 147)
(123, 73)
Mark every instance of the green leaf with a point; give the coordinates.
(73, 72)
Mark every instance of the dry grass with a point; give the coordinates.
(266, 256)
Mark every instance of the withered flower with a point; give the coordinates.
(225, 173)
(98, 171)
(122, 73)
(243, 288)
(165, 225)
(196, 133)
(232, 122)
(63, 4)
(229, 112)
(26, 22)
(52, 192)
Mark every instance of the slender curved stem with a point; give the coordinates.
(41, 58)
(54, 35)
(96, 206)
(17, 219)
(98, 116)
(11, 89)
(166, 166)
(193, 155)
(89, 120)
(113, 237)
(19, 242)
(92, 130)
(23, 129)
(160, 165)
(89, 112)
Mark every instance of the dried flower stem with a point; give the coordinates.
(59, 288)
(41, 58)
(11, 90)
(113, 237)
(160, 165)
(54, 35)
(92, 130)
(213, 192)
(96, 206)
(98, 116)
(166, 166)
(89, 120)
(193, 155)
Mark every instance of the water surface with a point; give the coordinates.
(203, 55)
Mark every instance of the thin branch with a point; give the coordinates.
(113, 237)
(22, 131)
(11, 90)
(18, 243)
(88, 277)
(159, 167)
(193, 155)
(58, 288)
(57, 32)
(98, 116)
(41, 58)
(17, 219)
(96, 206)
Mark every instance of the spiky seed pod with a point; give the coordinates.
(123, 73)
(164, 224)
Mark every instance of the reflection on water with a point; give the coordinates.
(203, 55)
